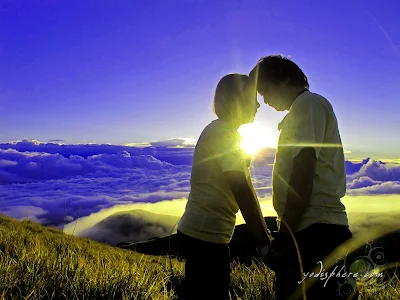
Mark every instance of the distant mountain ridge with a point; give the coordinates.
(134, 226)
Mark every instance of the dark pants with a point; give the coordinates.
(316, 242)
(207, 269)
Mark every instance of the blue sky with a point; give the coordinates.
(134, 71)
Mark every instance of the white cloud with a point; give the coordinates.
(171, 143)
(363, 181)
(25, 212)
(391, 187)
(374, 177)
(377, 170)
(56, 184)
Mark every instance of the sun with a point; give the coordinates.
(256, 136)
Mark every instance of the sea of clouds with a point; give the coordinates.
(77, 186)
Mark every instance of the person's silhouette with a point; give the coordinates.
(220, 186)
(309, 177)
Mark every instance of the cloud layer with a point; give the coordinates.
(74, 184)
(56, 184)
(374, 177)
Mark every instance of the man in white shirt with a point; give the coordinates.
(309, 177)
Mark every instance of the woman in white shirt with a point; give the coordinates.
(220, 186)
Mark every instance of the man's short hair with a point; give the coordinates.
(277, 69)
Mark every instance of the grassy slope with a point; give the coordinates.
(43, 263)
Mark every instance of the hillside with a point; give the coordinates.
(43, 263)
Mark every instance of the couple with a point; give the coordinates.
(308, 181)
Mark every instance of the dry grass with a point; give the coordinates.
(43, 263)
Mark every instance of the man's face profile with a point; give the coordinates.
(272, 95)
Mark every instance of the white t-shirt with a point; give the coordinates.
(210, 213)
(311, 121)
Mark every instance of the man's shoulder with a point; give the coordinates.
(311, 100)
(321, 100)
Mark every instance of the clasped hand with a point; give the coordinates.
(276, 255)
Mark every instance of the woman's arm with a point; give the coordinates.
(246, 198)
(250, 183)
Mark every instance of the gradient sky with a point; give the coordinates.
(134, 71)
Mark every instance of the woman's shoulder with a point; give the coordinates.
(218, 132)
(219, 128)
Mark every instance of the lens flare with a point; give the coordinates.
(256, 137)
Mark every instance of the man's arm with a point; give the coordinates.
(248, 204)
(300, 188)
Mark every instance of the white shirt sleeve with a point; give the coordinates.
(305, 126)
